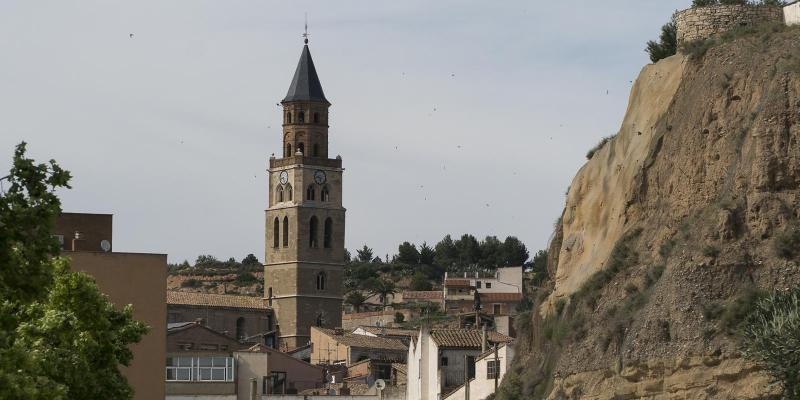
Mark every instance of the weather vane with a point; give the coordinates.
(305, 33)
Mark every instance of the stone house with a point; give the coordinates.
(490, 368)
(335, 346)
(243, 318)
(438, 359)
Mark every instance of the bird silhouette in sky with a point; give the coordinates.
(130, 36)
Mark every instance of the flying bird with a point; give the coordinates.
(130, 35)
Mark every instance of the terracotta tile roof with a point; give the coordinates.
(215, 300)
(381, 331)
(466, 338)
(501, 297)
(423, 295)
(457, 282)
(364, 341)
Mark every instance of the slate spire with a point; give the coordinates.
(305, 84)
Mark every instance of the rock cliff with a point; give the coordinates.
(670, 229)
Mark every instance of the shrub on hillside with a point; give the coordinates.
(787, 243)
(598, 146)
(245, 279)
(667, 44)
(192, 283)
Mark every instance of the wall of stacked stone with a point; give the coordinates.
(703, 22)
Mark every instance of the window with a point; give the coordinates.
(319, 320)
(326, 194)
(240, 331)
(310, 192)
(312, 232)
(288, 117)
(328, 235)
(276, 227)
(444, 361)
(269, 302)
(492, 369)
(301, 148)
(496, 309)
(289, 150)
(289, 191)
(477, 284)
(199, 369)
(301, 117)
(488, 285)
(280, 194)
(470, 367)
(275, 383)
(315, 153)
(321, 281)
(179, 368)
(285, 231)
(316, 117)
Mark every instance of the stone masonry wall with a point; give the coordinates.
(702, 22)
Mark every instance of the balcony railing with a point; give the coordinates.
(319, 161)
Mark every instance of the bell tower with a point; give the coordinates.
(305, 219)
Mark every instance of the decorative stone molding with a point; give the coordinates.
(703, 22)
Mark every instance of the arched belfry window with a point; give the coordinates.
(289, 192)
(321, 281)
(310, 192)
(316, 117)
(280, 194)
(269, 299)
(315, 152)
(276, 228)
(326, 194)
(319, 320)
(328, 236)
(301, 148)
(312, 232)
(240, 326)
(285, 231)
(288, 150)
(288, 117)
(301, 117)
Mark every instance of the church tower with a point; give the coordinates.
(303, 273)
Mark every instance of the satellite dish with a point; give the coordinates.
(105, 245)
(380, 384)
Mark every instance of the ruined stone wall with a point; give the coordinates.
(702, 22)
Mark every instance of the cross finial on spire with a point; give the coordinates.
(305, 32)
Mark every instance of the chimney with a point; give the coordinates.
(76, 245)
(483, 339)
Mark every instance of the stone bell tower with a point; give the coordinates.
(303, 273)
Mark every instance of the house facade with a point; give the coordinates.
(490, 368)
(243, 318)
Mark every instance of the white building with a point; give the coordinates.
(490, 368)
(438, 360)
(791, 13)
(505, 280)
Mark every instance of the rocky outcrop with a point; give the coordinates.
(668, 227)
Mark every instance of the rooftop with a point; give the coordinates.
(423, 295)
(466, 338)
(305, 84)
(457, 283)
(215, 300)
(501, 297)
(364, 341)
(382, 331)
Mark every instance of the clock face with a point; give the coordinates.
(319, 177)
(283, 177)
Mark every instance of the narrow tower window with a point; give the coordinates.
(289, 190)
(301, 148)
(325, 195)
(275, 232)
(319, 320)
(269, 300)
(288, 117)
(328, 238)
(312, 232)
(321, 281)
(301, 117)
(289, 150)
(285, 231)
(315, 152)
(280, 194)
(240, 325)
(316, 118)
(310, 192)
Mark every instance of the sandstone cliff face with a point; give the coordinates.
(703, 174)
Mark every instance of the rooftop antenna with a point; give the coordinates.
(305, 32)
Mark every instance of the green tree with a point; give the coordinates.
(60, 338)
(383, 288)
(407, 253)
(205, 260)
(515, 252)
(667, 44)
(426, 254)
(420, 282)
(771, 337)
(365, 254)
(355, 299)
(399, 318)
(538, 267)
(469, 250)
(250, 259)
(446, 254)
(492, 254)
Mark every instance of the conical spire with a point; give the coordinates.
(305, 84)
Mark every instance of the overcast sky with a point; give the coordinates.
(450, 116)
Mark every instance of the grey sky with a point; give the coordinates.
(450, 116)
